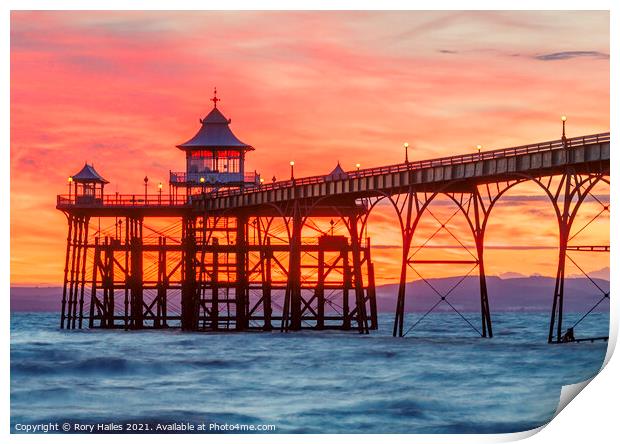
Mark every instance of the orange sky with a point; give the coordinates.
(121, 89)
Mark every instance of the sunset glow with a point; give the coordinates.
(122, 89)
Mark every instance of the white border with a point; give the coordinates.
(592, 418)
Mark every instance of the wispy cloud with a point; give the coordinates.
(121, 89)
(564, 55)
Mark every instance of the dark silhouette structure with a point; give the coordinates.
(234, 252)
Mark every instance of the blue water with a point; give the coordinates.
(440, 379)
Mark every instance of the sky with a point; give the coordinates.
(121, 89)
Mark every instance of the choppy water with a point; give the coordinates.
(441, 379)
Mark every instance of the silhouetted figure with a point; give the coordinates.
(569, 336)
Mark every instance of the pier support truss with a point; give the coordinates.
(284, 270)
(72, 305)
(472, 204)
(566, 192)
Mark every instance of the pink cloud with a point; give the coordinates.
(121, 89)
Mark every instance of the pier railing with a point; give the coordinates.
(441, 161)
(160, 200)
(122, 200)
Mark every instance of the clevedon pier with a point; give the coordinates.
(226, 249)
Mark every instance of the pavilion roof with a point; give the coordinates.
(214, 133)
(337, 173)
(88, 174)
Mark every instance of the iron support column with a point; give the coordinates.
(320, 290)
(564, 229)
(360, 300)
(485, 312)
(162, 285)
(407, 237)
(215, 305)
(83, 272)
(136, 278)
(294, 272)
(66, 275)
(372, 291)
(93, 289)
(241, 287)
(267, 282)
(346, 285)
(189, 305)
(108, 286)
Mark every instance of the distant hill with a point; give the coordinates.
(36, 298)
(532, 294)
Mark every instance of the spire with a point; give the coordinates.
(215, 99)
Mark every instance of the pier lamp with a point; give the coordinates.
(146, 185)
(406, 145)
(160, 186)
(70, 181)
(292, 164)
(357, 165)
(202, 184)
(563, 129)
(261, 181)
(273, 179)
(479, 148)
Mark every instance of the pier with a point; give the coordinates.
(227, 249)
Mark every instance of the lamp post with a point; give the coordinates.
(261, 181)
(563, 130)
(202, 184)
(160, 186)
(357, 165)
(479, 148)
(406, 145)
(292, 164)
(70, 181)
(146, 185)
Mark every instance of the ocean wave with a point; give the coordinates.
(442, 378)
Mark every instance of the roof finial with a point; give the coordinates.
(215, 99)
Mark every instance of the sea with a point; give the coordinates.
(441, 378)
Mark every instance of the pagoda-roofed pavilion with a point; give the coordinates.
(337, 174)
(88, 188)
(215, 157)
